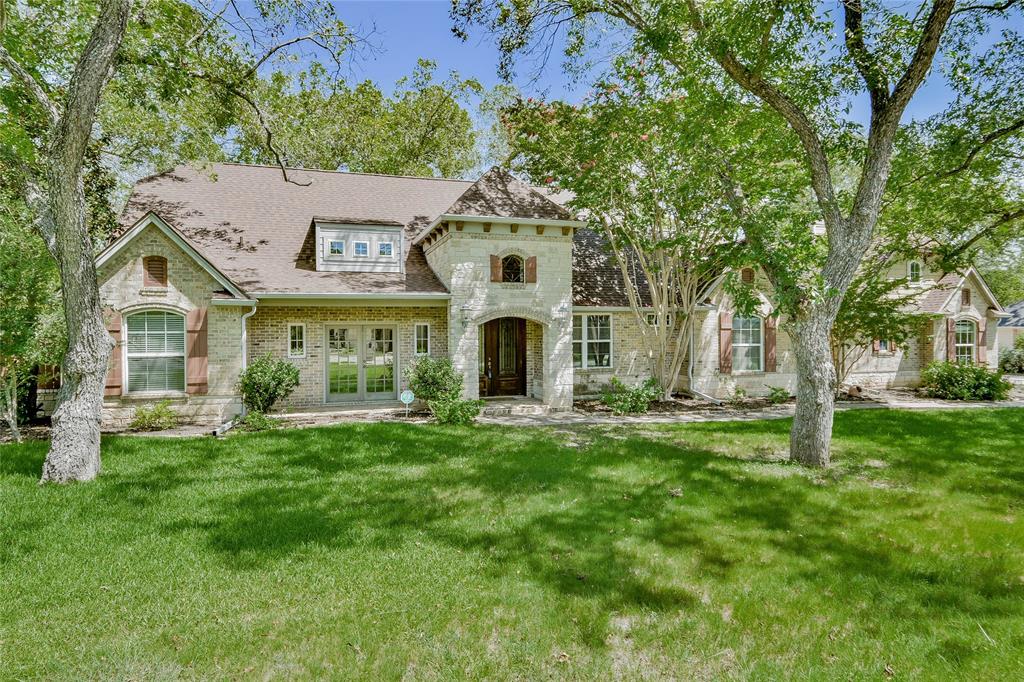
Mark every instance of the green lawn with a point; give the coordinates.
(388, 550)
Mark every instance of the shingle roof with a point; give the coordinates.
(935, 299)
(596, 276)
(497, 193)
(1016, 318)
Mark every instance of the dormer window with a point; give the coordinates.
(512, 269)
(337, 248)
(356, 247)
(914, 272)
(385, 249)
(361, 249)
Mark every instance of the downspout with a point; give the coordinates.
(245, 340)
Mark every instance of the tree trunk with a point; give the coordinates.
(10, 405)
(811, 434)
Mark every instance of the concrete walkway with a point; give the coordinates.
(727, 414)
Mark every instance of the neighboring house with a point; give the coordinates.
(352, 277)
(1011, 327)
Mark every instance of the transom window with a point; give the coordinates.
(747, 344)
(337, 247)
(914, 272)
(422, 340)
(296, 340)
(386, 249)
(156, 352)
(591, 341)
(361, 249)
(966, 333)
(512, 269)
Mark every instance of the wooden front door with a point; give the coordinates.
(503, 357)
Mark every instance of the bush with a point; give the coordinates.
(266, 381)
(957, 381)
(156, 417)
(636, 400)
(777, 395)
(454, 410)
(1018, 343)
(1012, 360)
(738, 396)
(434, 379)
(257, 421)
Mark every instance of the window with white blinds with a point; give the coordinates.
(156, 351)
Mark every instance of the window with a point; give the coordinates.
(965, 335)
(747, 344)
(156, 352)
(512, 269)
(386, 249)
(336, 247)
(591, 341)
(296, 340)
(913, 272)
(154, 271)
(422, 340)
(652, 319)
(883, 345)
(362, 249)
(965, 297)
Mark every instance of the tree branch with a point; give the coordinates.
(1004, 219)
(998, 7)
(867, 65)
(986, 140)
(31, 85)
(921, 62)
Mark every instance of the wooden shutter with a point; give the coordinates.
(876, 346)
(154, 271)
(725, 342)
(115, 370)
(770, 325)
(495, 268)
(196, 363)
(982, 344)
(950, 339)
(531, 270)
(965, 297)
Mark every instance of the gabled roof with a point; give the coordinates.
(151, 219)
(1015, 315)
(498, 194)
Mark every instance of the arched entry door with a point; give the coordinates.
(503, 357)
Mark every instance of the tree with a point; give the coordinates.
(169, 59)
(639, 168)
(786, 57)
(421, 129)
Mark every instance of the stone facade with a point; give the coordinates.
(189, 286)
(268, 333)
(461, 257)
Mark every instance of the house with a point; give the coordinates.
(352, 277)
(1011, 327)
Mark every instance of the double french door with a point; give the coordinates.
(360, 363)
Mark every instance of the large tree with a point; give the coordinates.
(177, 72)
(806, 67)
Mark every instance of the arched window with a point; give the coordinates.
(966, 333)
(512, 269)
(913, 272)
(155, 351)
(747, 344)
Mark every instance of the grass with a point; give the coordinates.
(388, 550)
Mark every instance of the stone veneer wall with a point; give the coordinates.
(268, 333)
(189, 286)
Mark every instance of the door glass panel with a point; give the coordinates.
(380, 361)
(507, 346)
(343, 358)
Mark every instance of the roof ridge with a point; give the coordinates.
(339, 172)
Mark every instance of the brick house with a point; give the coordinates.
(351, 277)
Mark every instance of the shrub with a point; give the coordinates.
(434, 379)
(448, 410)
(1018, 343)
(156, 417)
(257, 421)
(738, 396)
(1012, 360)
(623, 399)
(777, 395)
(266, 381)
(956, 381)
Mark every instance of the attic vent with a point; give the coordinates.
(154, 271)
(747, 275)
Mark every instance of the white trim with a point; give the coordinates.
(732, 342)
(362, 398)
(152, 218)
(415, 329)
(289, 340)
(586, 339)
(455, 217)
(349, 295)
(355, 249)
(330, 247)
(390, 256)
(999, 310)
(125, 375)
(920, 273)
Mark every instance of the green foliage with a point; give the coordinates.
(449, 410)
(1019, 342)
(434, 379)
(1011, 360)
(777, 395)
(962, 381)
(265, 381)
(738, 396)
(257, 421)
(154, 417)
(637, 399)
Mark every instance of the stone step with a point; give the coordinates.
(505, 409)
